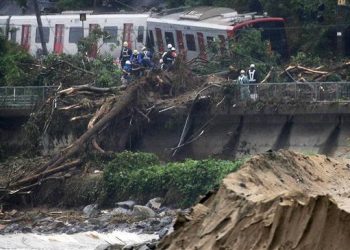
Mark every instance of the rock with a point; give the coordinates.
(163, 232)
(166, 221)
(26, 230)
(110, 247)
(126, 204)
(120, 211)
(143, 212)
(91, 210)
(155, 203)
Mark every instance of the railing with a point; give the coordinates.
(306, 92)
(24, 97)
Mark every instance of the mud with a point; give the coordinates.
(278, 200)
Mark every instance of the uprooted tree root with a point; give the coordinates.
(95, 109)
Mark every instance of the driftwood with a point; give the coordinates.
(121, 103)
(37, 177)
(85, 87)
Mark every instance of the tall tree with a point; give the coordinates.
(40, 27)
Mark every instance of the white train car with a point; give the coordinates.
(191, 31)
(63, 32)
(3, 24)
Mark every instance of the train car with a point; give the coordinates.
(192, 31)
(3, 24)
(63, 32)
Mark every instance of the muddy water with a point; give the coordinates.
(87, 240)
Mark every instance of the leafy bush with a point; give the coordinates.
(139, 176)
(304, 59)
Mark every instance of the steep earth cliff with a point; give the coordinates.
(278, 200)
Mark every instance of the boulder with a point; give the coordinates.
(143, 212)
(126, 204)
(155, 203)
(120, 211)
(91, 210)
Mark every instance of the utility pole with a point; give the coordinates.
(40, 27)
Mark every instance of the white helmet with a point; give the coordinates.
(252, 65)
(173, 49)
(161, 61)
(242, 71)
(135, 52)
(125, 44)
(128, 62)
(170, 46)
(144, 48)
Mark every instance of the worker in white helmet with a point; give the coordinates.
(252, 74)
(126, 72)
(253, 80)
(146, 58)
(244, 85)
(125, 54)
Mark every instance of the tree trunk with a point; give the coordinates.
(40, 27)
(122, 102)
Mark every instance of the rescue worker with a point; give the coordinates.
(244, 87)
(252, 75)
(125, 54)
(253, 79)
(146, 58)
(126, 71)
(169, 58)
(135, 63)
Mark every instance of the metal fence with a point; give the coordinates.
(24, 96)
(292, 92)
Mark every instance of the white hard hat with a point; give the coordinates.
(173, 49)
(170, 46)
(125, 44)
(135, 52)
(242, 71)
(127, 62)
(252, 65)
(144, 48)
(161, 61)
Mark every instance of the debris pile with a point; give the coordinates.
(278, 200)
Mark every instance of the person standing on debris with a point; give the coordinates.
(146, 58)
(135, 63)
(244, 87)
(125, 54)
(169, 58)
(126, 72)
(253, 79)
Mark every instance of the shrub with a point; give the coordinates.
(137, 176)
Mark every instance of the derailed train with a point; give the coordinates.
(190, 30)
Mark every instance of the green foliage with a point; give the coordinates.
(15, 65)
(139, 176)
(304, 59)
(74, 4)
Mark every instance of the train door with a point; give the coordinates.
(93, 49)
(25, 40)
(191, 45)
(59, 39)
(201, 45)
(180, 42)
(127, 33)
(222, 44)
(160, 42)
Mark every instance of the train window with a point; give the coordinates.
(191, 44)
(13, 35)
(169, 38)
(112, 36)
(46, 31)
(140, 32)
(75, 34)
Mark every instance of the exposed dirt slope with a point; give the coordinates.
(278, 200)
